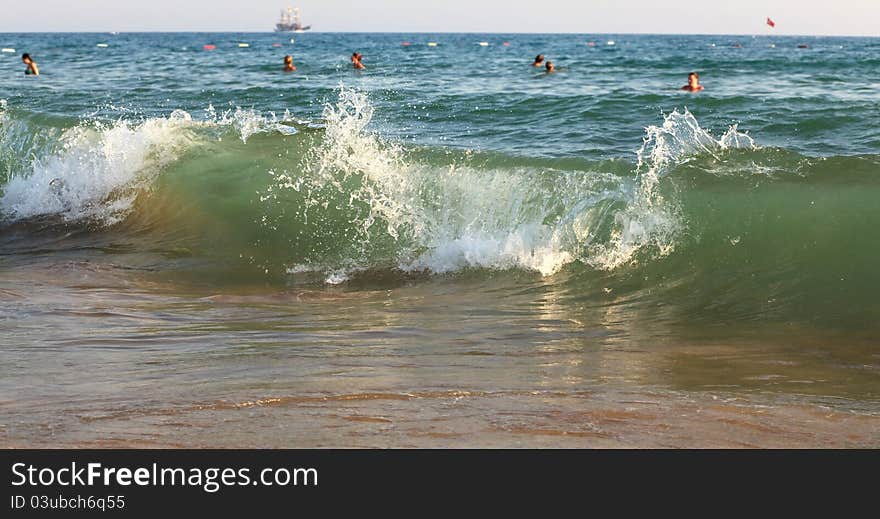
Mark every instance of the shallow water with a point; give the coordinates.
(467, 254)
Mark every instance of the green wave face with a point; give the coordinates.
(692, 227)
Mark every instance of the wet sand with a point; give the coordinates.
(453, 418)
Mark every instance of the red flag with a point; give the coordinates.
(770, 22)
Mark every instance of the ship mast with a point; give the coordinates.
(290, 21)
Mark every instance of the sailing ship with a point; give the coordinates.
(290, 21)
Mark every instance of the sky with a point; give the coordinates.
(802, 17)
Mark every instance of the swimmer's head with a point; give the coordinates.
(26, 57)
(288, 59)
(550, 66)
(693, 79)
(539, 58)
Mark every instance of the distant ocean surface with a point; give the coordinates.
(449, 248)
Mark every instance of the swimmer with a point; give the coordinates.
(357, 61)
(551, 68)
(288, 64)
(539, 61)
(693, 83)
(31, 69)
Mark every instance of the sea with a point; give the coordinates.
(449, 248)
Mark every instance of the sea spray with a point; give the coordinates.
(96, 171)
(462, 215)
(441, 218)
(649, 220)
(346, 202)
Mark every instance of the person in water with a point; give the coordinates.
(357, 61)
(288, 64)
(693, 83)
(551, 68)
(31, 69)
(539, 61)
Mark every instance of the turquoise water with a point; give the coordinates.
(196, 230)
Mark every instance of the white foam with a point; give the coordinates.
(453, 218)
(97, 171)
(527, 247)
(336, 277)
(648, 220)
(249, 122)
(447, 218)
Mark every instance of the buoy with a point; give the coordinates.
(406, 44)
(483, 44)
(244, 45)
(291, 40)
(103, 45)
(209, 47)
(591, 44)
(506, 44)
(610, 42)
(7, 50)
(276, 44)
(772, 45)
(432, 44)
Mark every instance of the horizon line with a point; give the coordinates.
(839, 35)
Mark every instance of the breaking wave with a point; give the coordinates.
(289, 198)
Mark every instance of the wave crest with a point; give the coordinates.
(95, 172)
(444, 218)
(649, 220)
(353, 201)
